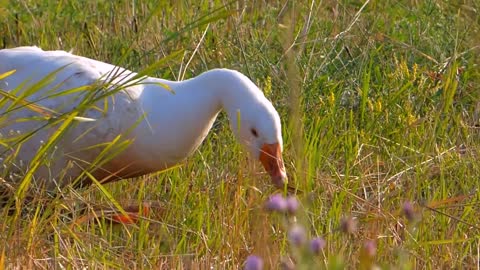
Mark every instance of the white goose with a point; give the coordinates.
(164, 127)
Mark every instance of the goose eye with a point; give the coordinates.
(254, 132)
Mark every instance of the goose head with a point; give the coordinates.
(259, 131)
(257, 126)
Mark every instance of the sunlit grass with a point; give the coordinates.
(379, 103)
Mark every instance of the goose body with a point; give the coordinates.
(164, 121)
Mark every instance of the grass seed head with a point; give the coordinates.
(287, 264)
(348, 225)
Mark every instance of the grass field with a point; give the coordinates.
(380, 104)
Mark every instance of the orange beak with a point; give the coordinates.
(271, 159)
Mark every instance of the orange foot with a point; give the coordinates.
(132, 214)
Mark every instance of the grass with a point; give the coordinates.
(379, 102)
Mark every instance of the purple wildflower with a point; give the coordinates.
(297, 235)
(317, 244)
(370, 248)
(253, 263)
(408, 211)
(292, 204)
(277, 203)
